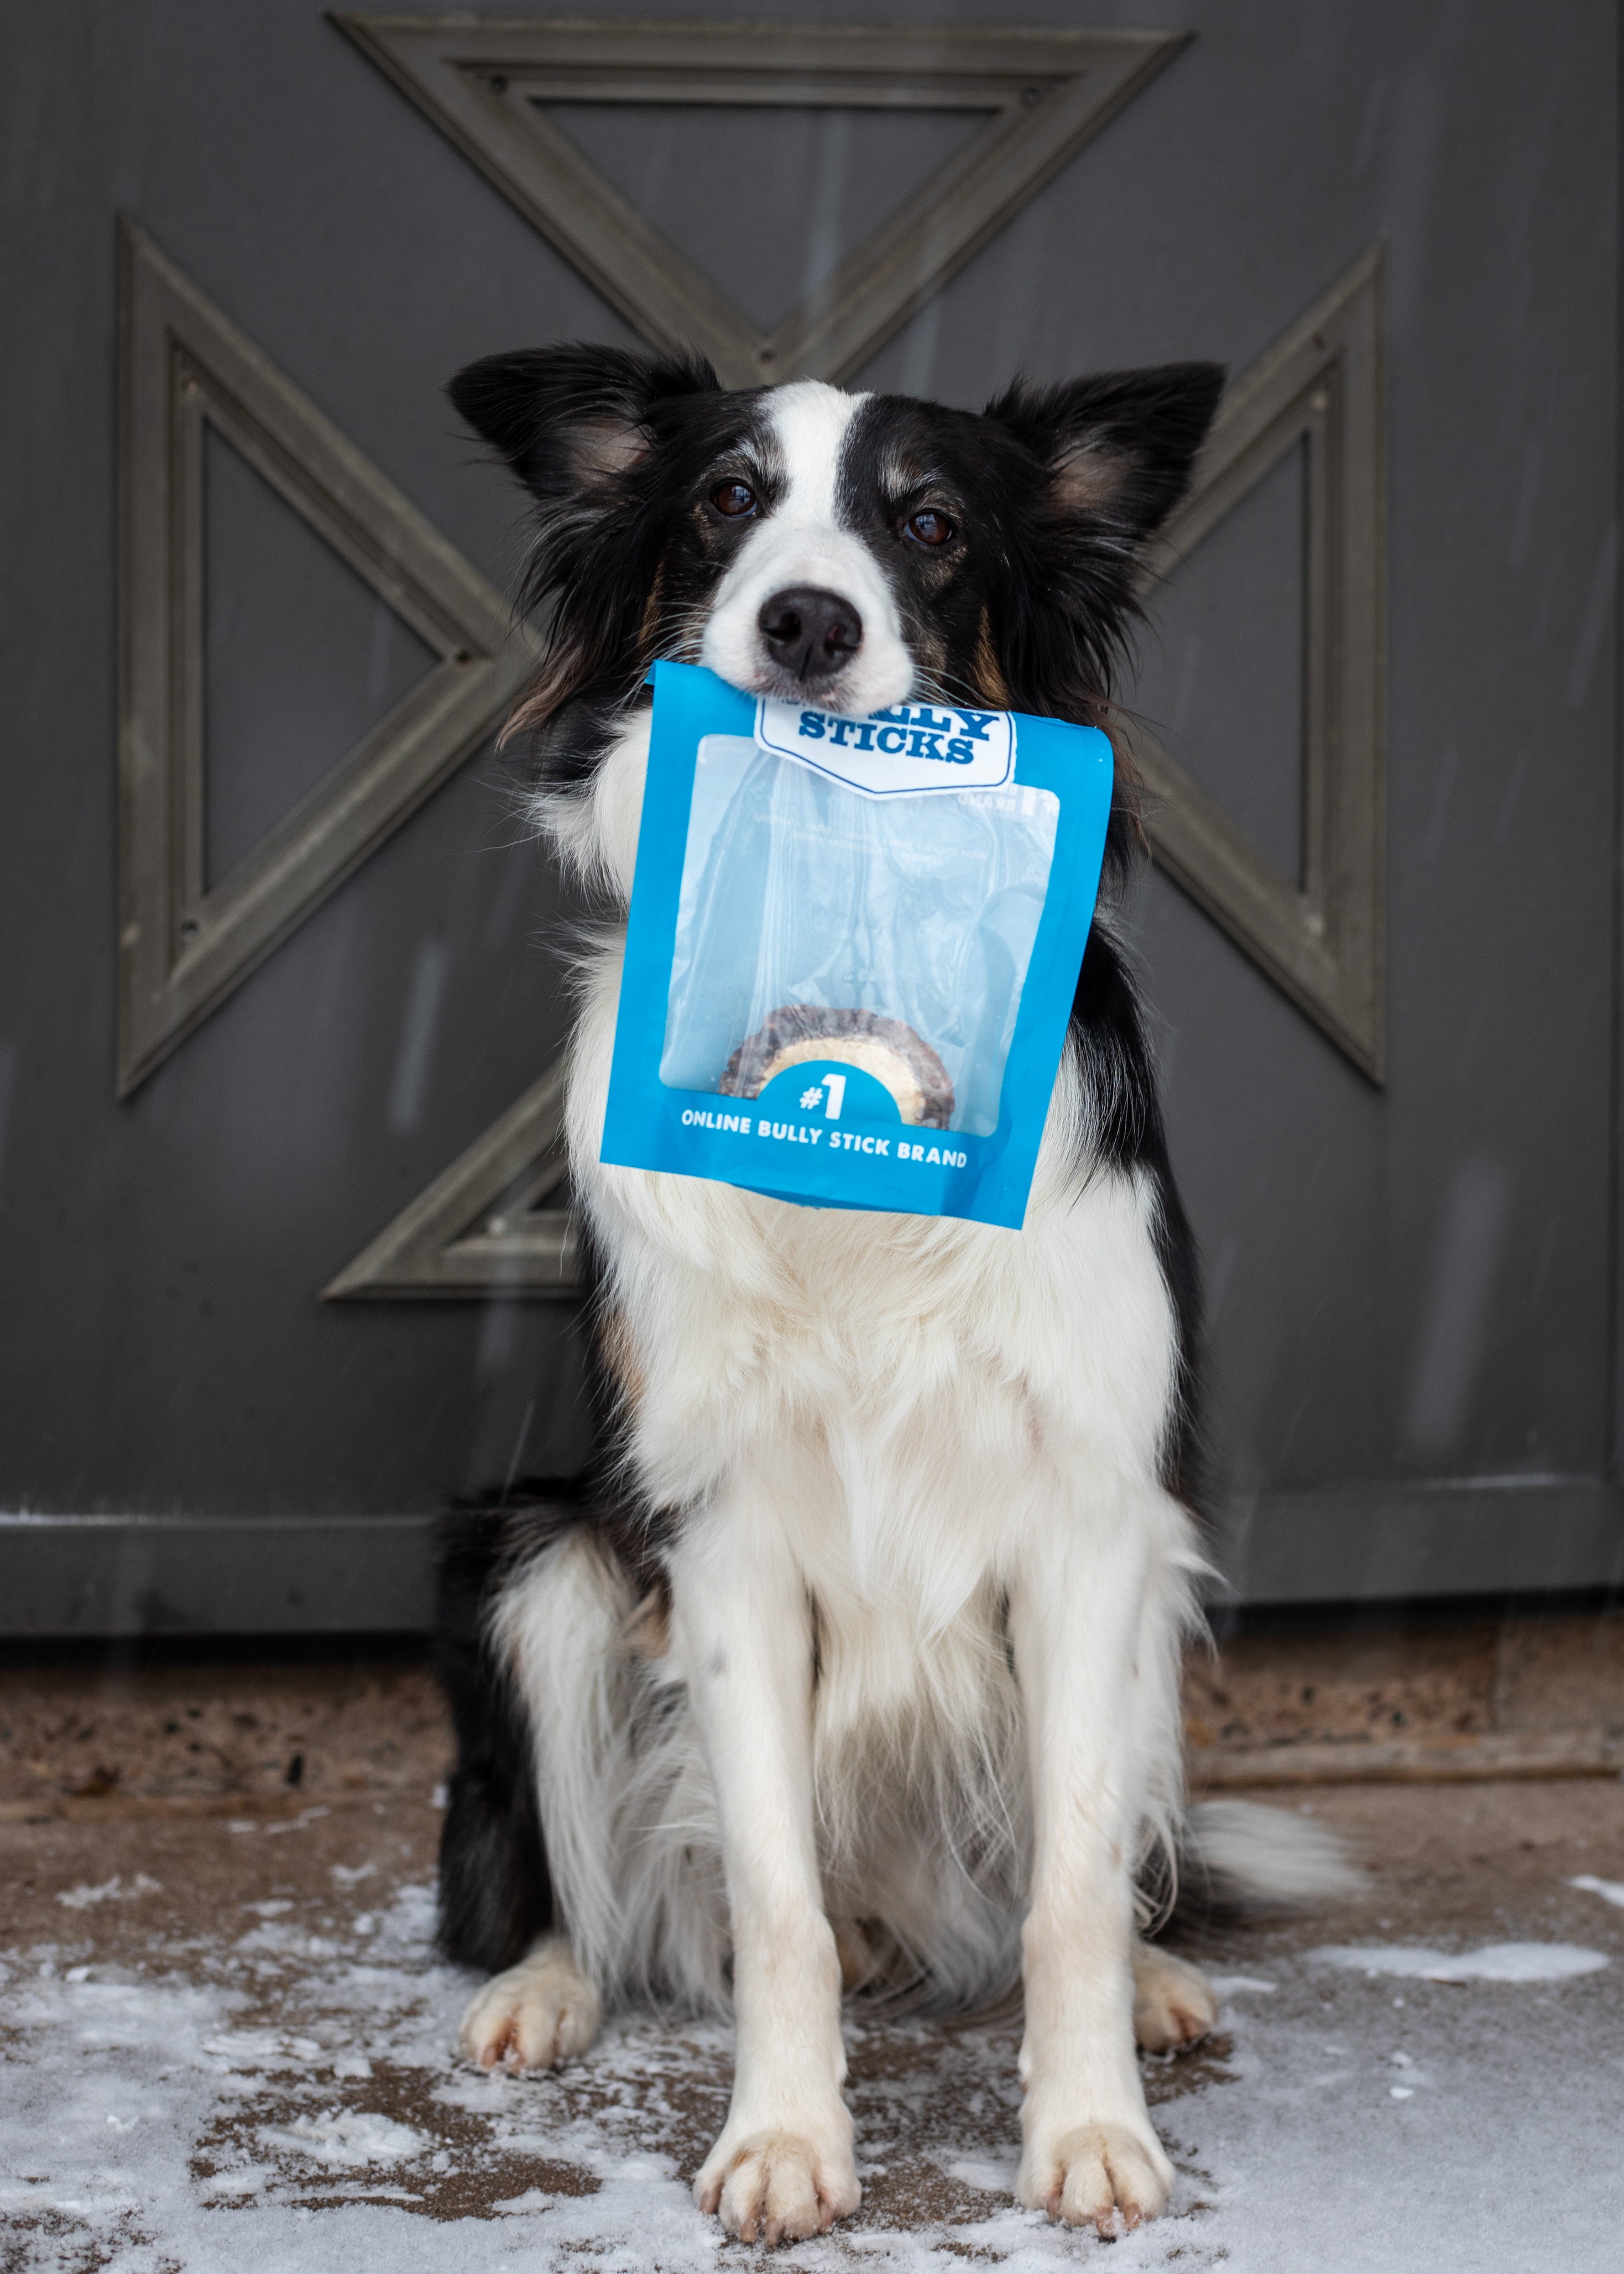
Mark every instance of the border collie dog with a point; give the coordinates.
(858, 1662)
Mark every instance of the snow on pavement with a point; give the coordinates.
(277, 2091)
(1611, 1890)
(1496, 1961)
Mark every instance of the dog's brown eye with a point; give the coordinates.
(930, 527)
(733, 499)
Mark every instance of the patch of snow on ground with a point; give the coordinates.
(346, 2138)
(305, 1816)
(994, 2178)
(111, 1891)
(211, 2118)
(261, 2049)
(1496, 1961)
(1611, 1890)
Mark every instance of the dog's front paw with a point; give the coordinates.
(540, 2011)
(1108, 2176)
(777, 2186)
(1173, 2003)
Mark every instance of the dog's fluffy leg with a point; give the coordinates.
(1094, 1626)
(1173, 2001)
(783, 2165)
(539, 2013)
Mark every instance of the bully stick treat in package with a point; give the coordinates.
(852, 947)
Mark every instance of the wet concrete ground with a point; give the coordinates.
(226, 2043)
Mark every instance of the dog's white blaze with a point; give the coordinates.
(803, 542)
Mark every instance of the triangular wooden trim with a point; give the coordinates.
(1322, 384)
(480, 78)
(476, 1229)
(183, 946)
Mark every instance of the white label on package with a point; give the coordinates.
(902, 752)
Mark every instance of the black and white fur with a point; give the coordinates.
(858, 1660)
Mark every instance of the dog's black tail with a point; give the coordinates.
(495, 1892)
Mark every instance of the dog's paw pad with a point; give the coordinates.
(1173, 2002)
(539, 2013)
(1100, 2175)
(775, 2188)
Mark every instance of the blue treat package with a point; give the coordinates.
(852, 947)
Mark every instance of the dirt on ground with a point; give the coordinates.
(248, 2010)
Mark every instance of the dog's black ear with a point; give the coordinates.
(568, 418)
(575, 425)
(1119, 447)
(1102, 463)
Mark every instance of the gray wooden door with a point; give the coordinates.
(284, 1250)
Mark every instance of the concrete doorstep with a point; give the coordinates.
(1439, 1701)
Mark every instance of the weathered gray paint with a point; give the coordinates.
(1491, 1536)
(1408, 1285)
(187, 938)
(498, 1217)
(211, 1574)
(201, 1573)
(490, 81)
(1318, 925)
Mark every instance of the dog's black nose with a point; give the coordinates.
(809, 631)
